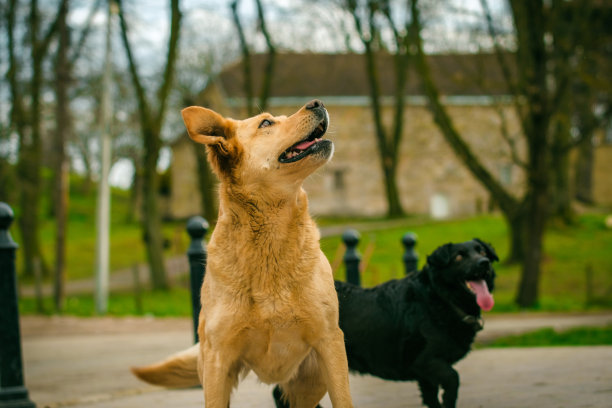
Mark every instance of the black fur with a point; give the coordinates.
(417, 327)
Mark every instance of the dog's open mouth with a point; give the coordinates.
(481, 291)
(305, 146)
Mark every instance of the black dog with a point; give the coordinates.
(417, 327)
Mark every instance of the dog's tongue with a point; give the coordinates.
(304, 145)
(483, 297)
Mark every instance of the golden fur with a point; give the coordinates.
(268, 298)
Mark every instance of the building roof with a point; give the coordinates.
(309, 74)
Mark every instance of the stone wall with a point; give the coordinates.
(432, 180)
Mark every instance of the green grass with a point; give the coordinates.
(569, 252)
(126, 247)
(175, 302)
(581, 336)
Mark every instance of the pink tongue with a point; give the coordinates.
(304, 145)
(483, 297)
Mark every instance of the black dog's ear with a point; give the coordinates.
(491, 254)
(441, 257)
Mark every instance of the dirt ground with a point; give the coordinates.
(72, 362)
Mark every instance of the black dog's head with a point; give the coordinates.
(457, 269)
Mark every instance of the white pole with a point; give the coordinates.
(103, 207)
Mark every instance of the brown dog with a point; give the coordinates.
(268, 299)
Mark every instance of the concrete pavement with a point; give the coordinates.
(72, 362)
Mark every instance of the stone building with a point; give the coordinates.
(430, 178)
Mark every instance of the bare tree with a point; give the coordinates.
(60, 165)
(540, 94)
(268, 74)
(151, 120)
(67, 55)
(26, 120)
(367, 18)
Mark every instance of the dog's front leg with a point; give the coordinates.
(334, 367)
(220, 375)
(436, 372)
(429, 393)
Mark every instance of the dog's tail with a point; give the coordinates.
(180, 370)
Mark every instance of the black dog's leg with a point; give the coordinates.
(279, 401)
(448, 378)
(437, 371)
(429, 394)
(450, 384)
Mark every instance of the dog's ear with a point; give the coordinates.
(441, 257)
(491, 254)
(217, 133)
(207, 127)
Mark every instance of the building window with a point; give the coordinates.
(339, 182)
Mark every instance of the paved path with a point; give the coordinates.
(72, 362)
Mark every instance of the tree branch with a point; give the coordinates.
(18, 118)
(164, 89)
(269, 70)
(441, 117)
(43, 46)
(400, 66)
(144, 111)
(499, 53)
(76, 53)
(509, 139)
(246, 58)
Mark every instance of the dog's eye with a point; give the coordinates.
(458, 258)
(265, 123)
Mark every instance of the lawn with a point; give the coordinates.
(126, 246)
(580, 336)
(571, 253)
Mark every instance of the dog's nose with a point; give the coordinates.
(314, 104)
(483, 264)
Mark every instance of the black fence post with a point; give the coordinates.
(196, 228)
(352, 258)
(13, 392)
(410, 258)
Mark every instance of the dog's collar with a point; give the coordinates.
(475, 322)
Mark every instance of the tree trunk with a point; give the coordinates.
(61, 179)
(394, 208)
(561, 197)
(151, 217)
(388, 160)
(530, 22)
(529, 285)
(8, 186)
(151, 122)
(517, 225)
(207, 183)
(135, 192)
(583, 179)
(28, 168)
